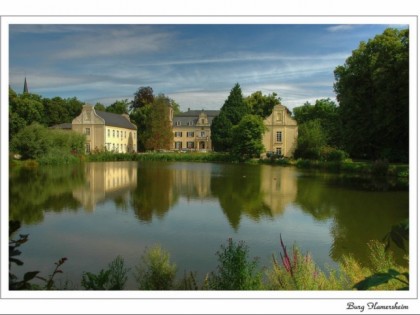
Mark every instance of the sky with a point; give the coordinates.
(196, 65)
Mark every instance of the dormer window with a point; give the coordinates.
(178, 123)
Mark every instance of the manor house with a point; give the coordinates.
(192, 131)
(106, 131)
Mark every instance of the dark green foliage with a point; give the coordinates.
(247, 137)
(398, 235)
(230, 115)
(235, 271)
(311, 140)
(118, 107)
(112, 278)
(221, 133)
(48, 146)
(31, 142)
(327, 113)
(383, 278)
(143, 96)
(262, 105)
(380, 167)
(331, 154)
(373, 91)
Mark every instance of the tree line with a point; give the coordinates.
(371, 121)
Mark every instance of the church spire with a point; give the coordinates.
(25, 87)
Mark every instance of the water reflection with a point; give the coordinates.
(107, 180)
(35, 191)
(259, 193)
(358, 215)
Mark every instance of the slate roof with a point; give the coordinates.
(115, 120)
(190, 117)
(62, 126)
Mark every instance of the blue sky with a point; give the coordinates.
(196, 65)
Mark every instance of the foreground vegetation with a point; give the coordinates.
(290, 270)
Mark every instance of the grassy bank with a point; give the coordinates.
(376, 168)
(161, 156)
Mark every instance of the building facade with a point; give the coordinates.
(282, 131)
(106, 131)
(192, 130)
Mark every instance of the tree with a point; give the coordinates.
(311, 140)
(144, 96)
(247, 137)
(55, 111)
(372, 89)
(119, 107)
(99, 106)
(160, 135)
(221, 133)
(231, 114)
(262, 105)
(327, 112)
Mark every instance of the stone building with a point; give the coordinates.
(106, 131)
(282, 131)
(192, 130)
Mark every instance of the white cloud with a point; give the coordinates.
(339, 28)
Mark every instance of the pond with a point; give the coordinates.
(95, 212)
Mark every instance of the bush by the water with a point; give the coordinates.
(48, 146)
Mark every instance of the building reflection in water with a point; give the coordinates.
(152, 189)
(106, 180)
(278, 187)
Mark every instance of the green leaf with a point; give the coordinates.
(16, 261)
(373, 281)
(30, 275)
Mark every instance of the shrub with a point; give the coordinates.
(332, 154)
(155, 271)
(300, 272)
(235, 271)
(113, 278)
(380, 167)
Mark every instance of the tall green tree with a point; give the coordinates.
(247, 137)
(230, 115)
(312, 138)
(142, 97)
(160, 135)
(373, 92)
(262, 105)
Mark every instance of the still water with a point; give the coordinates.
(92, 214)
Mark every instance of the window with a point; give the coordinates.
(178, 145)
(178, 133)
(118, 133)
(125, 134)
(87, 131)
(190, 123)
(190, 134)
(278, 136)
(108, 145)
(203, 120)
(113, 147)
(278, 151)
(113, 133)
(202, 134)
(87, 147)
(190, 145)
(178, 123)
(109, 132)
